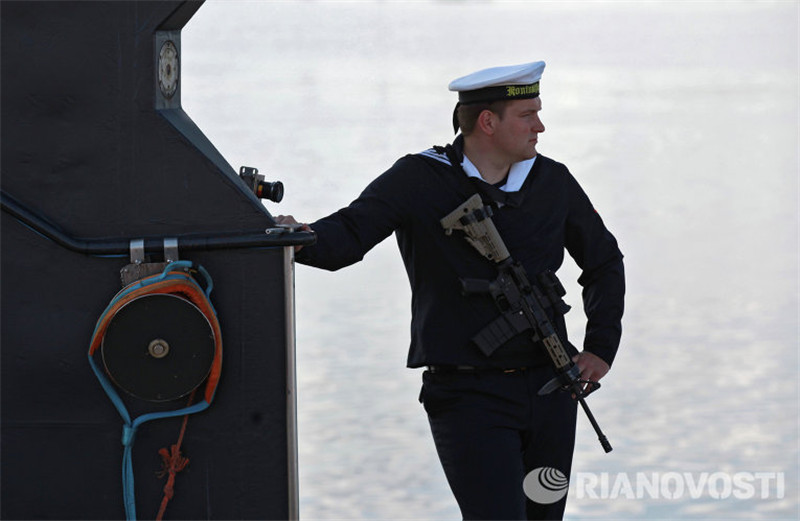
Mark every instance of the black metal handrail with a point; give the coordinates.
(271, 237)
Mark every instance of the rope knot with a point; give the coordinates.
(128, 433)
(172, 461)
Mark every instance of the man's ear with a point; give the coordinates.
(487, 121)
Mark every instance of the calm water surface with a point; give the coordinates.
(680, 119)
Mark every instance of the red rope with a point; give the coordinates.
(172, 462)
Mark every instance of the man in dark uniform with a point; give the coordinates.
(490, 426)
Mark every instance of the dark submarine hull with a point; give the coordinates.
(94, 156)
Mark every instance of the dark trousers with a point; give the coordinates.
(491, 429)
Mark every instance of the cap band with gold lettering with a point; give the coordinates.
(507, 92)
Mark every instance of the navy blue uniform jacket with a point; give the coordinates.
(550, 213)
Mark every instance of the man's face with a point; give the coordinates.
(517, 132)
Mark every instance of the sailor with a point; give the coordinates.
(490, 427)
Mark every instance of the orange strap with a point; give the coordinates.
(183, 287)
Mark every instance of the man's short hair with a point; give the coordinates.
(468, 114)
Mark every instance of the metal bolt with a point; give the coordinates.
(158, 348)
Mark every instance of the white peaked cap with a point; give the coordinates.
(524, 74)
(495, 83)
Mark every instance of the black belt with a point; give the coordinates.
(472, 369)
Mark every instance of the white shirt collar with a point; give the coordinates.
(516, 175)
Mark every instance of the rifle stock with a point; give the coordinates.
(474, 219)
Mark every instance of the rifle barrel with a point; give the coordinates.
(600, 436)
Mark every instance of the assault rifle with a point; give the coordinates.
(522, 304)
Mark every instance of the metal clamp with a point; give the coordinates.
(171, 250)
(137, 251)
